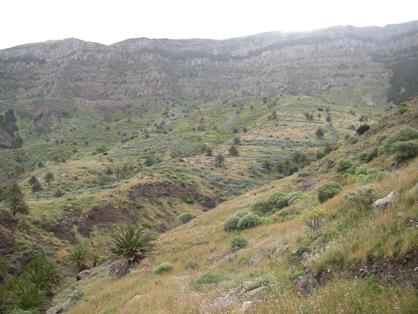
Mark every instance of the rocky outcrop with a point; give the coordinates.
(165, 189)
(72, 299)
(261, 65)
(385, 202)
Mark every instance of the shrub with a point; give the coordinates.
(26, 295)
(14, 200)
(362, 198)
(404, 134)
(238, 243)
(405, 150)
(403, 107)
(320, 133)
(362, 129)
(345, 166)
(43, 273)
(219, 160)
(233, 151)
(131, 244)
(232, 222)
(249, 221)
(327, 191)
(185, 217)
(314, 217)
(187, 198)
(163, 268)
(369, 155)
(205, 279)
(80, 256)
(191, 265)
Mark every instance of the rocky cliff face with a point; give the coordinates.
(137, 70)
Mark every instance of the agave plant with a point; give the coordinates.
(131, 244)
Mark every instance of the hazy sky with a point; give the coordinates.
(108, 21)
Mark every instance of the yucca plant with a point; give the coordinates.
(80, 256)
(131, 244)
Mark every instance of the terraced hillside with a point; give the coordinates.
(358, 257)
(161, 133)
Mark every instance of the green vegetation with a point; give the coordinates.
(328, 191)
(185, 217)
(14, 200)
(206, 279)
(242, 220)
(314, 217)
(238, 243)
(163, 268)
(131, 244)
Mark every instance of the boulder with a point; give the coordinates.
(385, 202)
(83, 274)
(306, 284)
(72, 299)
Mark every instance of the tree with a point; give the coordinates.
(219, 160)
(320, 133)
(314, 217)
(362, 129)
(131, 244)
(36, 187)
(233, 151)
(237, 141)
(328, 118)
(49, 177)
(209, 151)
(14, 199)
(273, 115)
(33, 180)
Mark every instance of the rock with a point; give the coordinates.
(383, 203)
(307, 284)
(414, 189)
(72, 299)
(83, 274)
(60, 308)
(134, 300)
(256, 293)
(246, 306)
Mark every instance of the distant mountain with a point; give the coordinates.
(135, 71)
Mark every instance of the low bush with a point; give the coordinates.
(163, 268)
(327, 191)
(314, 217)
(362, 198)
(191, 265)
(405, 150)
(185, 217)
(362, 129)
(345, 166)
(206, 279)
(232, 222)
(187, 198)
(238, 243)
(369, 155)
(249, 221)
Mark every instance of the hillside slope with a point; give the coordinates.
(358, 259)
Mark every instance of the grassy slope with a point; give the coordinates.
(349, 239)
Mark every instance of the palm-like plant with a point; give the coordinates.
(131, 244)
(80, 256)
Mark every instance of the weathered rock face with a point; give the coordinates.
(137, 70)
(385, 202)
(165, 189)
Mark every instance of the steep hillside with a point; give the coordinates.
(161, 133)
(136, 71)
(358, 257)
